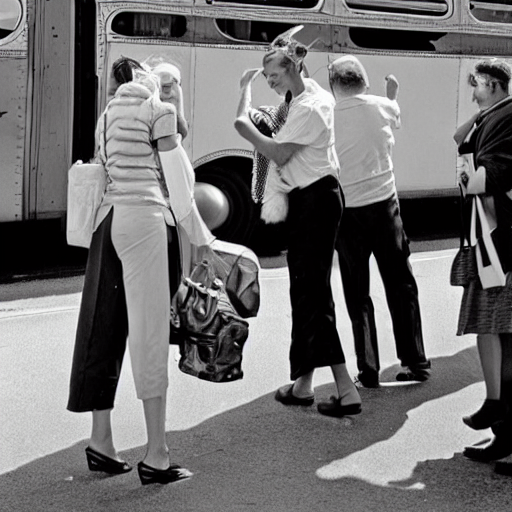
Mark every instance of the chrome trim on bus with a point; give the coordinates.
(206, 159)
(416, 5)
(491, 7)
(244, 5)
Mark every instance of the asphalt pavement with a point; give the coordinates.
(247, 451)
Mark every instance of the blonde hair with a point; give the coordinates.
(149, 80)
(166, 72)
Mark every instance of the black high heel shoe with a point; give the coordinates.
(99, 462)
(490, 413)
(150, 475)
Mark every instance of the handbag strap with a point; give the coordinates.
(159, 163)
(463, 234)
(105, 137)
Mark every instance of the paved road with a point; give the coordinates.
(248, 452)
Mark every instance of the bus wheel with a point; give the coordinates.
(223, 197)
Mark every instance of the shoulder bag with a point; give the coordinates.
(86, 187)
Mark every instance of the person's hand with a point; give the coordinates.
(391, 87)
(248, 76)
(463, 170)
(172, 93)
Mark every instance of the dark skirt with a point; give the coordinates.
(486, 311)
(313, 220)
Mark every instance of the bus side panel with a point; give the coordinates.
(12, 136)
(424, 155)
(216, 93)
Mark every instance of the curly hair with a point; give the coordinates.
(292, 54)
(497, 69)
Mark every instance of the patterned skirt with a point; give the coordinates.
(486, 311)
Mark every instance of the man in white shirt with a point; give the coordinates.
(371, 222)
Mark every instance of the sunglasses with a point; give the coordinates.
(475, 80)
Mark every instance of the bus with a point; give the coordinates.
(55, 57)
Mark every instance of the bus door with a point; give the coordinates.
(51, 104)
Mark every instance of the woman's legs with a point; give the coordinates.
(347, 390)
(157, 455)
(489, 350)
(101, 435)
(303, 386)
(140, 236)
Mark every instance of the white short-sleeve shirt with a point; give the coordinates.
(364, 141)
(310, 123)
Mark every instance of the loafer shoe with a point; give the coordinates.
(285, 396)
(498, 448)
(334, 408)
(413, 375)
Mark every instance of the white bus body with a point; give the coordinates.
(54, 64)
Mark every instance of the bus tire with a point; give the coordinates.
(235, 186)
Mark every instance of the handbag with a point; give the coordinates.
(463, 269)
(484, 236)
(238, 268)
(86, 187)
(207, 328)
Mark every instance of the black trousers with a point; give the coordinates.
(378, 229)
(102, 327)
(313, 219)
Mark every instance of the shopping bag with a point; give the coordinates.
(86, 187)
(483, 231)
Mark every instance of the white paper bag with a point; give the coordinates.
(86, 187)
(491, 275)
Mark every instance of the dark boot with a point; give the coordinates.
(491, 412)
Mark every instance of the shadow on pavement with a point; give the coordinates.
(264, 457)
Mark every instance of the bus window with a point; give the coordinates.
(295, 4)
(496, 11)
(10, 16)
(139, 24)
(384, 39)
(418, 7)
(252, 31)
